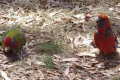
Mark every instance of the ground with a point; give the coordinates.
(58, 35)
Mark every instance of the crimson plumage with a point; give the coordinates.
(104, 38)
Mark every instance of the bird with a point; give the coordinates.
(13, 39)
(104, 38)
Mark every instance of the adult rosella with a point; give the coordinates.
(104, 39)
(13, 39)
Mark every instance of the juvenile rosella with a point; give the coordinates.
(104, 39)
(13, 39)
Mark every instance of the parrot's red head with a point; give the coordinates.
(10, 43)
(103, 23)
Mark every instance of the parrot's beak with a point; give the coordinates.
(97, 19)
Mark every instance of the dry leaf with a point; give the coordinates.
(107, 73)
(53, 78)
(4, 75)
(67, 71)
(53, 13)
(54, 74)
(4, 66)
(40, 75)
(118, 49)
(39, 63)
(77, 39)
(70, 59)
(1, 32)
(77, 8)
(80, 16)
(72, 45)
(111, 9)
(94, 50)
(87, 17)
(117, 18)
(117, 68)
(57, 56)
(77, 65)
(86, 41)
(118, 4)
(88, 54)
(100, 65)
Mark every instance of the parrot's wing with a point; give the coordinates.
(21, 39)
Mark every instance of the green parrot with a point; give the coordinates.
(13, 39)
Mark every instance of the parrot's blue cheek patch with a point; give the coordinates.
(14, 44)
(3, 38)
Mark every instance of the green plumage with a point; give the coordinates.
(17, 36)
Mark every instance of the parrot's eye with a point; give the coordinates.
(100, 19)
(103, 19)
(101, 22)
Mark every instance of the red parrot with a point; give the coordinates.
(104, 39)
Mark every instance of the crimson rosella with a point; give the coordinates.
(104, 39)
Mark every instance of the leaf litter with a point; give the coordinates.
(70, 33)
